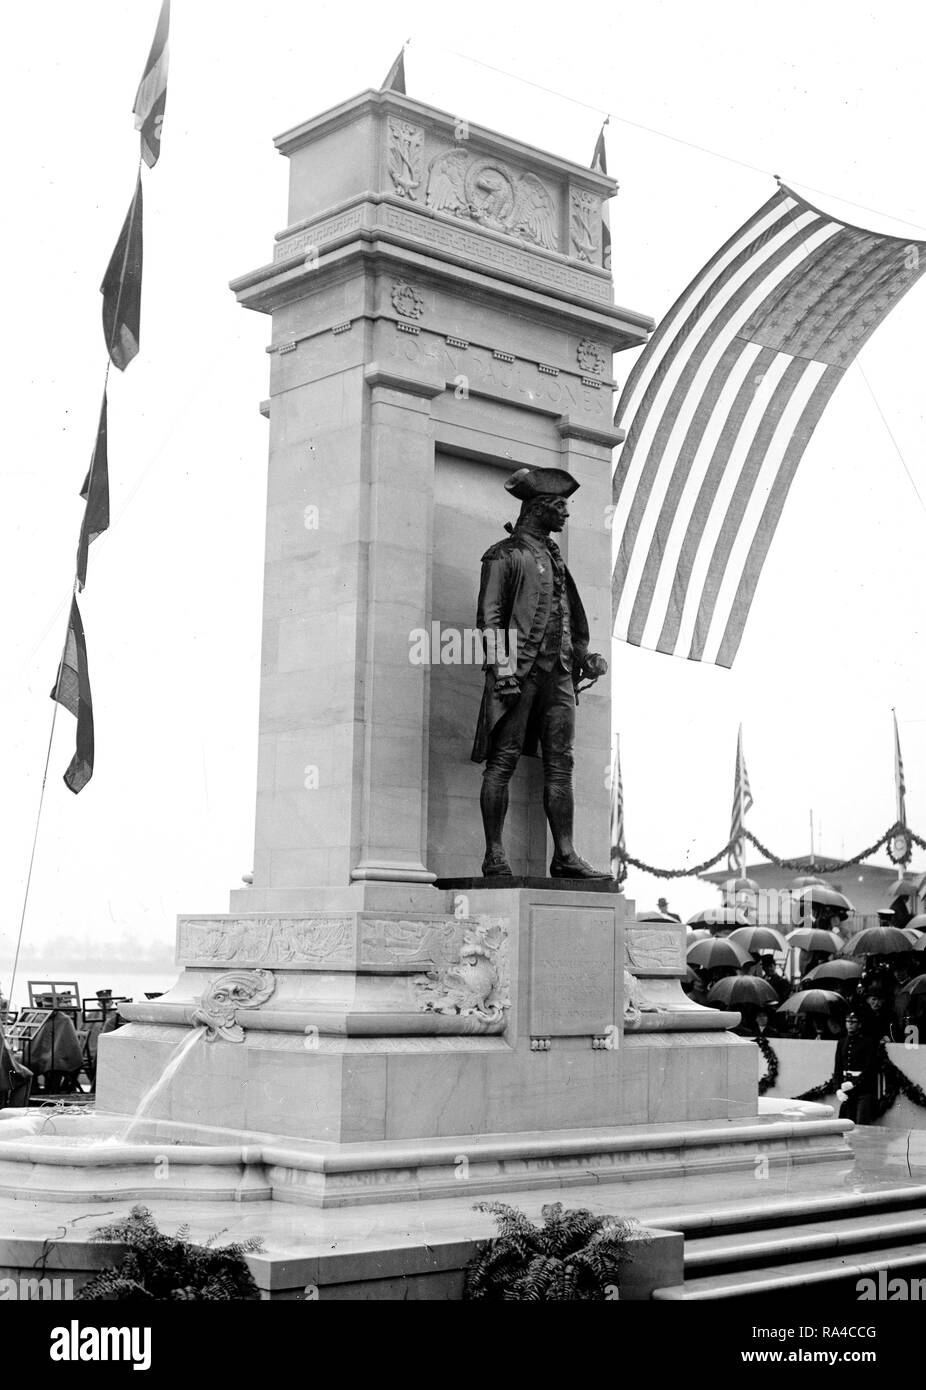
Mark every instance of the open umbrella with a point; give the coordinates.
(805, 881)
(753, 939)
(693, 934)
(877, 941)
(815, 939)
(717, 951)
(720, 917)
(834, 972)
(822, 895)
(813, 1001)
(912, 934)
(742, 989)
(917, 923)
(654, 915)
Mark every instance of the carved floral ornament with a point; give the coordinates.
(406, 300)
(487, 191)
(404, 157)
(218, 1005)
(591, 357)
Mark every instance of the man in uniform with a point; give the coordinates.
(530, 701)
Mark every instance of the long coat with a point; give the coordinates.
(516, 594)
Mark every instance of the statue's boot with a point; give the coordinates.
(574, 866)
(493, 802)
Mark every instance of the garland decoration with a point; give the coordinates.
(823, 866)
(767, 1081)
(691, 872)
(895, 1084)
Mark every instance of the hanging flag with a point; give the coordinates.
(121, 288)
(898, 776)
(742, 802)
(394, 80)
(618, 845)
(720, 406)
(72, 690)
(95, 492)
(151, 97)
(600, 166)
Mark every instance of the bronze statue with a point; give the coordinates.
(529, 704)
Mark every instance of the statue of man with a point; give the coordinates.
(530, 701)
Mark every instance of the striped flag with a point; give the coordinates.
(72, 690)
(618, 845)
(95, 492)
(151, 97)
(720, 407)
(394, 81)
(899, 782)
(121, 288)
(600, 166)
(742, 802)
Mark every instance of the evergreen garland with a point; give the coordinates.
(573, 1257)
(767, 1081)
(160, 1267)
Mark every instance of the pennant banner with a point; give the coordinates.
(394, 81)
(121, 288)
(151, 97)
(600, 166)
(719, 408)
(95, 493)
(72, 690)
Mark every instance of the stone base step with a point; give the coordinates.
(832, 1239)
(793, 1278)
(94, 1154)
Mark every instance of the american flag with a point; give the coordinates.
(742, 802)
(618, 845)
(720, 407)
(899, 777)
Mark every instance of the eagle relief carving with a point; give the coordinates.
(487, 191)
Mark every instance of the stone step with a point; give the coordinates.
(760, 1215)
(810, 1240)
(790, 1278)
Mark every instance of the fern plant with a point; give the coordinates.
(161, 1267)
(573, 1256)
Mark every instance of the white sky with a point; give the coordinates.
(827, 94)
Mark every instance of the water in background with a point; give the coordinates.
(134, 983)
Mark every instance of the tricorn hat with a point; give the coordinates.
(529, 483)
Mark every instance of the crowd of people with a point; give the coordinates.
(859, 998)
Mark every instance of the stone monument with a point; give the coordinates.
(439, 318)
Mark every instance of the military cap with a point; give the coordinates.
(529, 483)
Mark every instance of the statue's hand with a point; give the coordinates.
(594, 666)
(507, 688)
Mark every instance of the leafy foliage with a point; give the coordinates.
(574, 1256)
(160, 1267)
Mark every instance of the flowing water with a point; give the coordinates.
(174, 1063)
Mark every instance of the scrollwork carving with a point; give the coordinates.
(218, 1005)
(475, 986)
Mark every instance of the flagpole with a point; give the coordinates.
(38, 818)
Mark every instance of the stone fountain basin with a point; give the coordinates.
(87, 1157)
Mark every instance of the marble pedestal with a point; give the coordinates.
(498, 1012)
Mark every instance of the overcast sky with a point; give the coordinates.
(828, 95)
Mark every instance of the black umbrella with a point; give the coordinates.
(878, 941)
